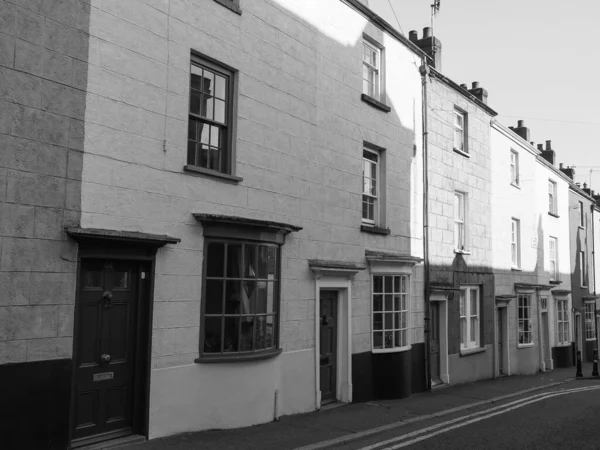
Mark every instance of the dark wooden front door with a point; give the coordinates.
(106, 337)
(328, 335)
(501, 368)
(434, 349)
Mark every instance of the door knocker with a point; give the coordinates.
(324, 322)
(107, 299)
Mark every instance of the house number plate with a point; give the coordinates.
(104, 376)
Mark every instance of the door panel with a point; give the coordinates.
(434, 350)
(500, 342)
(328, 345)
(106, 345)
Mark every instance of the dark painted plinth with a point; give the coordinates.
(34, 408)
(589, 351)
(381, 376)
(562, 356)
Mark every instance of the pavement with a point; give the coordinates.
(334, 426)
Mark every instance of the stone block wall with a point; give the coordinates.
(43, 58)
(300, 130)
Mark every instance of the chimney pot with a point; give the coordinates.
(540, 146)
(464, 86)
(475, 85)
(532, 144)
(578, 185)
(584, 185)
(427, 32)
(413, 36)
(520, 123)
(560, 166)
(548, 145)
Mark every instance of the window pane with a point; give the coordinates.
(389, 339)
(378, 339)
(213, 301)
(396, 284)
(208, 82)
(247, 337)
(404, 336)
(398, 339)
(215, 261)
(221, 87)
(220, 111)
(196, 77)
(261, 297)
(389, 284)
(194, 102)
(250, 261)
(191, 156)
(377, 303)
(463, 306)
(214, 161)
(474, 307)
(474, 325)
(263, 260)
(270, 332)
(463, 331)
(204, 133)
(202, 160)
(389, 321)
(398, 320)
(260, 325)
(234, 261)
(232, 334)
(212, 335)
(208, 105)
(377, 321)
(232, 297)
(193, 130)
(378, 284)
(397, 303)
(248, 297)
(271, 305)
(389, 302)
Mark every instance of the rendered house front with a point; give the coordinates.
(244, 234)
(530, 256)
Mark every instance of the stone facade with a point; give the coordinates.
(526, 199)
(469, 173)
(43, 73)
(301, 126)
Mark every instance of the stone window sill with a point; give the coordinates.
(472, 351)
(238, 357)
(553, 214)
(581, 228)
(462, 153)
(375, 230)
(375, 103)
(525, 345)
(516, 269)
(391, 350)
(230, 5)
(513, 184)
(462, 252)
(212, 173)
(557, 282)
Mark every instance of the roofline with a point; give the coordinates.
(580, 191)
(465, 93)
(385, 26)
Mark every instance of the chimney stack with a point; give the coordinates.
(568, 171)
(479, 92)
(587, 190)
(548, 154)
(522, 130)
(431, 45)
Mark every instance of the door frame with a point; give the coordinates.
(441, 297)
(145, 256)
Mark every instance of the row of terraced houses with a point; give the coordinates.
(217, 212)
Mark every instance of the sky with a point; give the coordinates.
(536, 58)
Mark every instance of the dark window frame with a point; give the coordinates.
(227, 169)
(222, 356)
(465, 131)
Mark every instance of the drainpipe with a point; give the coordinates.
(424, 70)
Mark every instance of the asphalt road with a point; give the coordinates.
(561, 418)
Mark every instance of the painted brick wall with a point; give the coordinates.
(301, 125)
(43, 54)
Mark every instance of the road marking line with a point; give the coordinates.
(482, 416)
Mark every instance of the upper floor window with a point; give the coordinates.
(582, 268)
(390, 312)
(515, 243)
(460, 126)
(469, 317)
(210, 117)
(563, 322)
(459, 220)
(370, 202)
(552, 251)
(581, 215)
(371, 70)
(240, 299)
(552, 208)
(514, 167)
(525, 325)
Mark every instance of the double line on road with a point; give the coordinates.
(449, 425)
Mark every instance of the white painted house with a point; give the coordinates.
(530, 233)
(252, 183)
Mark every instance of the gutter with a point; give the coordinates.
(425, 72)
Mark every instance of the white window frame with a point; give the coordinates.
(370, 68)
(581, 216)
(524, 321)
(460, 136)
(460, 208)
(582, 268)
(515, 243)
(553, 257)
(514, 167)
(398, 309)
(470, 321)
(562, 322)
(590, 321)
(375, 194)
(552, 203)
